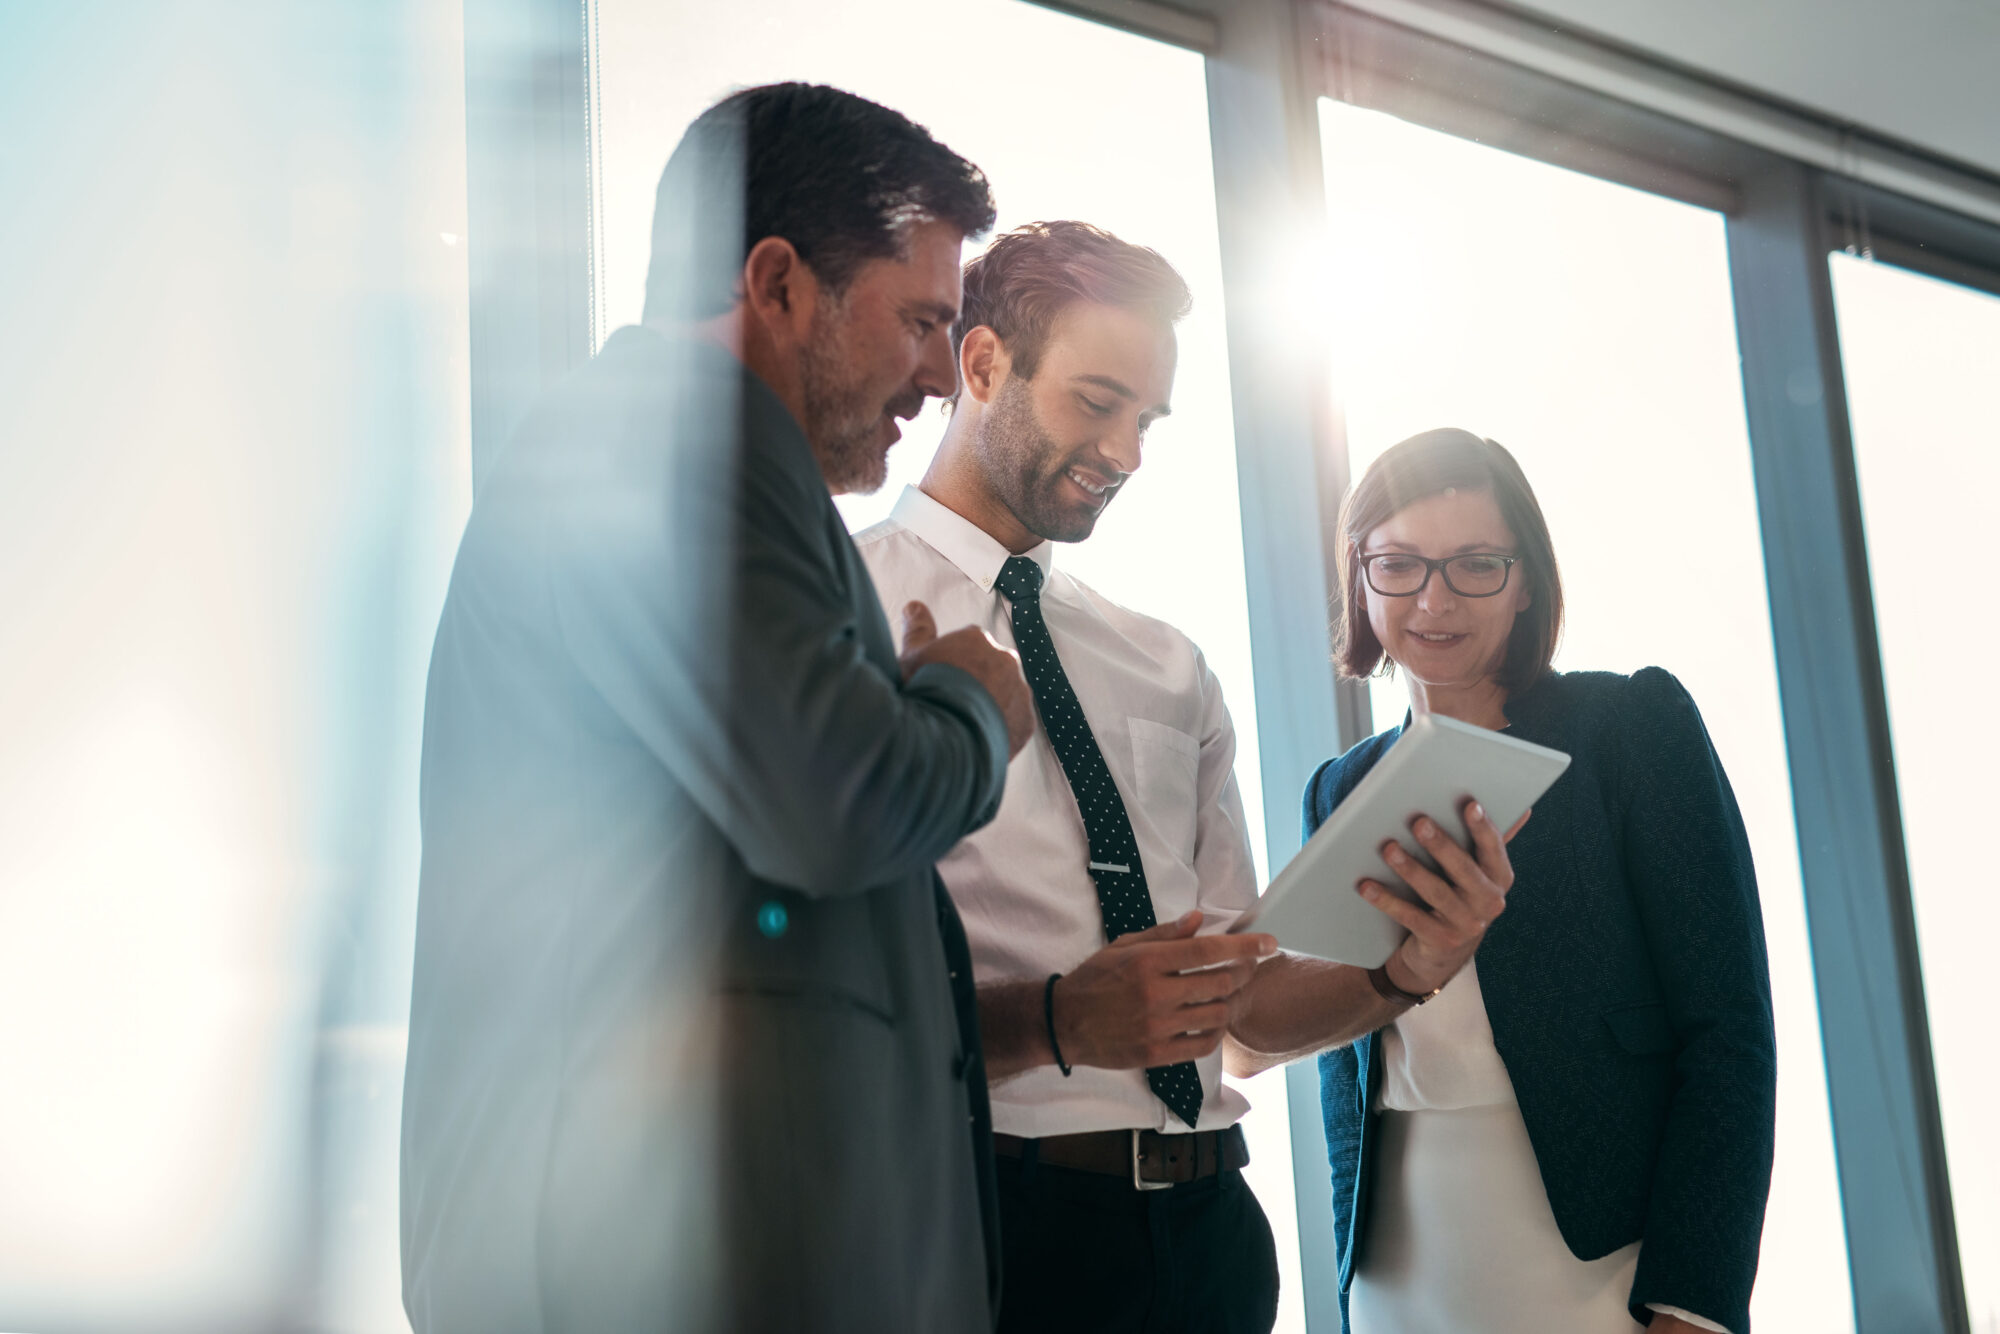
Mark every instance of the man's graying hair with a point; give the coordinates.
(841, 178)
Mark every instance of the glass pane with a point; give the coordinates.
(1589, 329)
(1058, 140)
(225, 534)
(1923, 384)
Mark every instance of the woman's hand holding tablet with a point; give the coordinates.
(1438, 768)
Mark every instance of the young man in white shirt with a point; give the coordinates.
(1122, 1201)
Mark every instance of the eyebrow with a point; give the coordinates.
(936, 310)
(1123, 391)
(1497, 548)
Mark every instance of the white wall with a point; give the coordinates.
(1923, 71)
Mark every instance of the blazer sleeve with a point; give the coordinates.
(1314, 806)
(739, 662)
(1687, 859)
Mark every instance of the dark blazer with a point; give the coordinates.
(693, 1041)
(1628, 993)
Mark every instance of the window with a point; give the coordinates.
(1920, 358)
(1059, 138)
(1588, 327)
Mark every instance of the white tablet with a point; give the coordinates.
(1433, 769)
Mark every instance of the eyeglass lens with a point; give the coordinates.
(1468, 576)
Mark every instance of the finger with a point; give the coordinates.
(1455, 865)
(1467, 877)
(1448, 935)
(1211, 984)
(919, 627)
(1195, 1019)
(1442, 897)
(1429, 927)
(1490, 846)
(1206, 951)
(1180, 928)
(1466, 902)
(1518, 823)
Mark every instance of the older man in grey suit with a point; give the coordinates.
(692, 1039)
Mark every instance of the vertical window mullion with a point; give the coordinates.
(1887, 1131)
(1264, 137)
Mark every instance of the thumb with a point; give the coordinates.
(1180, 928)
(919, 627)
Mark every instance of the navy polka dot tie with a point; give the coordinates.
(1114, 854)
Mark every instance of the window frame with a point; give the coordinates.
(1783, 216)
(1483, 72)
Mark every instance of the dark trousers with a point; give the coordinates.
(1086, 1252)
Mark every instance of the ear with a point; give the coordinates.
(983, 363)
(779, 290)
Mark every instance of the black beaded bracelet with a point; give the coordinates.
(1049, 1017)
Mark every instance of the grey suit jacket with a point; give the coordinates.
(692, 1042)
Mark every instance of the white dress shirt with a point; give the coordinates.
(1021, 883)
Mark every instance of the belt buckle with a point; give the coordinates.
(1139, 1182)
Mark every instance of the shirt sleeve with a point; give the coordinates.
(1225, 870)
(1689, 1316)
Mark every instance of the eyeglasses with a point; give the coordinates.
(1395, 574)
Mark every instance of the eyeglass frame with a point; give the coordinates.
(1438, 567)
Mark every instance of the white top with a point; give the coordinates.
(1440, 1056)
(1029, 904)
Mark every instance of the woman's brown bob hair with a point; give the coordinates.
(1425, 465)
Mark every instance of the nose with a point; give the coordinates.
(1436, 597)
(1123, 448)
(937, 368)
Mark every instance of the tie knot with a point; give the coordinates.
(1020, 580)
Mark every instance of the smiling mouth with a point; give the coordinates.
(1435, 638)
(1091, 485)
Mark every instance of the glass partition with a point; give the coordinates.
(1922, 360)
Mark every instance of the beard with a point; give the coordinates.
(1024, 465)
(843, 414)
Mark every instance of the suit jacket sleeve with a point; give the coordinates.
(1688, 861)
(735, 652)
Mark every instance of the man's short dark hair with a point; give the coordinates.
(1024, 281)
(842, 178)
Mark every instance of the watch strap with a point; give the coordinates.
(1378, 977)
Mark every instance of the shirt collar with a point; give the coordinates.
(961, 541)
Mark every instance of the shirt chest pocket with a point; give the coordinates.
(1165, 763)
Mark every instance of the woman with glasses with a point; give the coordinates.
(1573, 1132)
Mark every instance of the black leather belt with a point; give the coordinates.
(1150, 1160)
